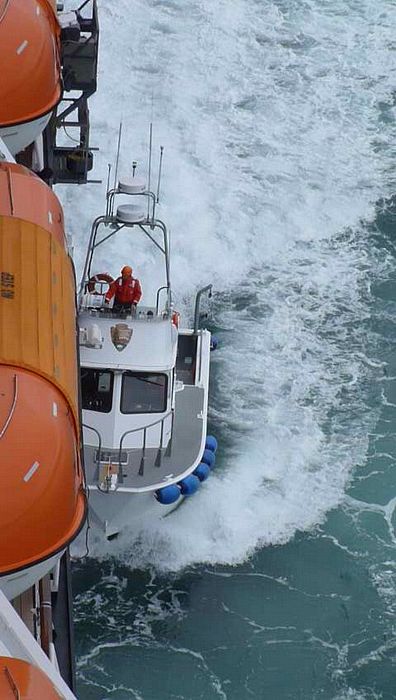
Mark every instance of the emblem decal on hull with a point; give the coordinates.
(121, 334)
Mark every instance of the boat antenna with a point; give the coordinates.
(149, 166)
(156, 199)
(118, 157)
(159, 172)
(168, 269)
(108, 187)
(134, 166)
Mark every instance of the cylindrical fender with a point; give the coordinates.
(211, 443)
(168, 494)
(189, 485)
(209, 458)
(202, 471)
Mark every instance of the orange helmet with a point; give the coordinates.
(126, 271)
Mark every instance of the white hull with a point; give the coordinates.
(132, 502)
(16, 138)
(113, 512)
(13, 585)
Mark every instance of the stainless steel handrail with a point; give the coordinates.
(109, 219)
(200, 358)
(97, 460)
(144, 429)
(159, 290)
(207, 289)
(89, 427)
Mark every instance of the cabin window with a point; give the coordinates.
(97, 389)
(143, 392)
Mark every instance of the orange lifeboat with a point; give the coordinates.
(42, 498)
(30, 87)
(20, 679)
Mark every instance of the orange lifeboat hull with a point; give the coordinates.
(19, 679)
(42, 502)
(31, 86)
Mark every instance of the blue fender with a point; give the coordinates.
(202, 471)
(209, 458)
(211, 443)
(168, 494)
(189, 485)
(214, 341)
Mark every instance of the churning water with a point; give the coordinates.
(278, 579)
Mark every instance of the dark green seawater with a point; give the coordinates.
(278, 580)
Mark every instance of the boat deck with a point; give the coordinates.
(159, 465)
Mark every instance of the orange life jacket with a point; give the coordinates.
(126, 291)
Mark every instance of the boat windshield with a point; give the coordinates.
(97, 389)
(143, 392)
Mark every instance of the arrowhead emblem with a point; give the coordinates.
(121, 334)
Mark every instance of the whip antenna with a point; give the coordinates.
(149, 167)
(156, 199)
(108, 187)
(118, 156)
(159, 172)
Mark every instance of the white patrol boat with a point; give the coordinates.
(144, 381)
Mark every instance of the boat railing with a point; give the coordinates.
(200, 361)
(143, 430)
(159, 290)
(93, 302)
(197, 315)
(97, 433)
(98, 453)
(117, 224)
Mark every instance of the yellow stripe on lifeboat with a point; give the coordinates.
(30, 81)
(42, 500)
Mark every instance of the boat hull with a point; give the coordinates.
(129, 499)
(115, 512)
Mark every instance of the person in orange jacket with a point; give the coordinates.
(126, 290)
